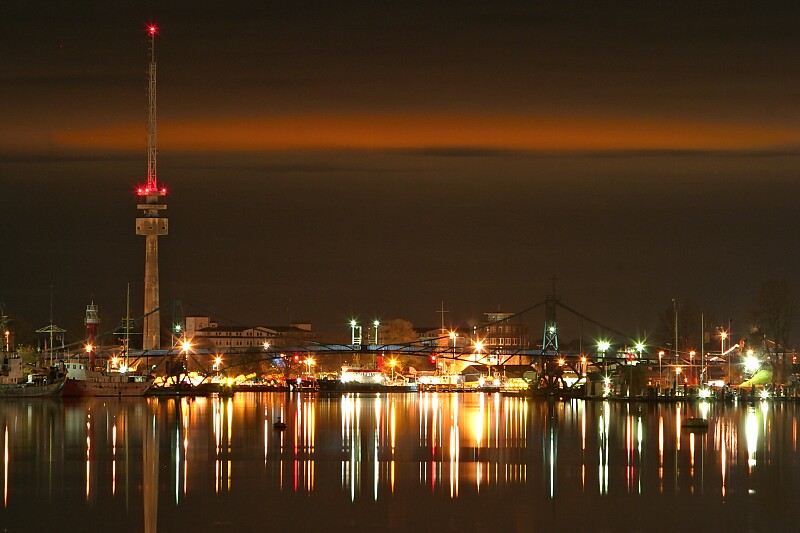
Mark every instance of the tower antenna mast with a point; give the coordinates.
(151, 224)
(152, 179)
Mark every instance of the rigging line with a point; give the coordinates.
(233, 322)
(481, 326)
(596, 323)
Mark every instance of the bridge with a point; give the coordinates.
(549, 361)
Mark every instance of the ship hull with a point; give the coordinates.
(79, 388)
(31, 391)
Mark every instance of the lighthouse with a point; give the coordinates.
(92, 320)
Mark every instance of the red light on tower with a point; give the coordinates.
(151, 29)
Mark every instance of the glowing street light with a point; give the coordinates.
(89, 348)
(602, 347)
(453, 337)
(7, 334)
(217, 364)
(722, 336)
(751, 363)
(478, 345)
(392, 364)
(375, 323)
(660, 355)
(309, 363)
(478, 349)
(266, 345)
(355, 333)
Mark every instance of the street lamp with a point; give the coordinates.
(217, 364)
(691, 363)
(639, 348)
(355, 333)
(453, 336)
(722, 336)
(266, 345)
(602, 346)
(392, 364)
(660, 355)
(376, 324)
(478, 349)
(751, 364)
(309, 363)
(7, 334)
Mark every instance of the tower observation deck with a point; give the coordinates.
(152, 224)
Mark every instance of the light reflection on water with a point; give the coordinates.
(445, 461)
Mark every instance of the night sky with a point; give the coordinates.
(374, 159)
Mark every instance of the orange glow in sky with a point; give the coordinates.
(380, 132)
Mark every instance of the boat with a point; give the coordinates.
(400, 384)
(15, 384)
(439, 381)
(118, 379)
(694, 424)
(84, 381)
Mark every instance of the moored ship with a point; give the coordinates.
(15, 384)
(82, 381)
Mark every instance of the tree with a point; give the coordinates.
(398, 331)
(774, 310)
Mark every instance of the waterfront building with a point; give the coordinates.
(208, 333)
(504, 334)
(503, 330)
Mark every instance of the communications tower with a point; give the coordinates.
(152, 224)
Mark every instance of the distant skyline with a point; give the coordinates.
(371, 160)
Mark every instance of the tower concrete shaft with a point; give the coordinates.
(151, 225)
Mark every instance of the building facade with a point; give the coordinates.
(207, 333)
(503, 330)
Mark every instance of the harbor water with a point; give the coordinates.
(395, 462)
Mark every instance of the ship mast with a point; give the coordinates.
(127, 326)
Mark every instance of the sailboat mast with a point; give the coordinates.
(127, 325)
